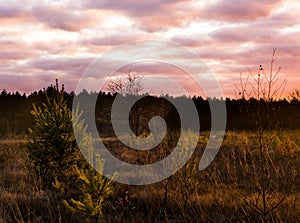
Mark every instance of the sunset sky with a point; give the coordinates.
(44, 40)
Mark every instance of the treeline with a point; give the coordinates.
(15, 116)
(15, 110)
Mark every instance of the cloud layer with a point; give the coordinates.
(40, 41)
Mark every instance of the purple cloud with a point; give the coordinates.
(240, 10)
(60, 18)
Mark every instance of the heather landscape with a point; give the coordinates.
(254, 177)
(160, 111)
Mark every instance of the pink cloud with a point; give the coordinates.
(110, 40)
(160, 77)
(60, 18)
(55, 17)
(133, 7)
(247, 32)
(70, 66)
(150, 16)
(14, 55)
(10, 11)
(240, 10)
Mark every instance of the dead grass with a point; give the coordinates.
(225, 192)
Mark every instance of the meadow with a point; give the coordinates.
(229, 190)
(255, 176)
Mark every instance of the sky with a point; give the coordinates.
(44, 40)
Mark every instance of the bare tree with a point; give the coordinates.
(131, 85)
(264, 87)
(242, 88)
(116, 86)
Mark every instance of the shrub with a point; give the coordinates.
(51, 143)
(94, 190)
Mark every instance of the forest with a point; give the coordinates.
(15, 117)
(44, 177)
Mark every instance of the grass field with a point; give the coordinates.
(229, 190)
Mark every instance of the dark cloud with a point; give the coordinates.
(133, 7)
(53, 16)
(230, 35)
(110, 40)
(14, 55)
(74, 66)
(151, 16)
(264, 31)
(240, 10)
(29, 83)
(60, 18)
(10, 11)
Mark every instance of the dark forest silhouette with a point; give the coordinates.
(15, 117)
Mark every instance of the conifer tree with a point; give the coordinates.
(51, 143)
(54, 151)
(94, 190)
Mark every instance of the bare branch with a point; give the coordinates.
(131, 85)
(116, 86)
(264, 85)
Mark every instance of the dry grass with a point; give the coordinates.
(227, 191)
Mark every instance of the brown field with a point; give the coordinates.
(229, 190)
